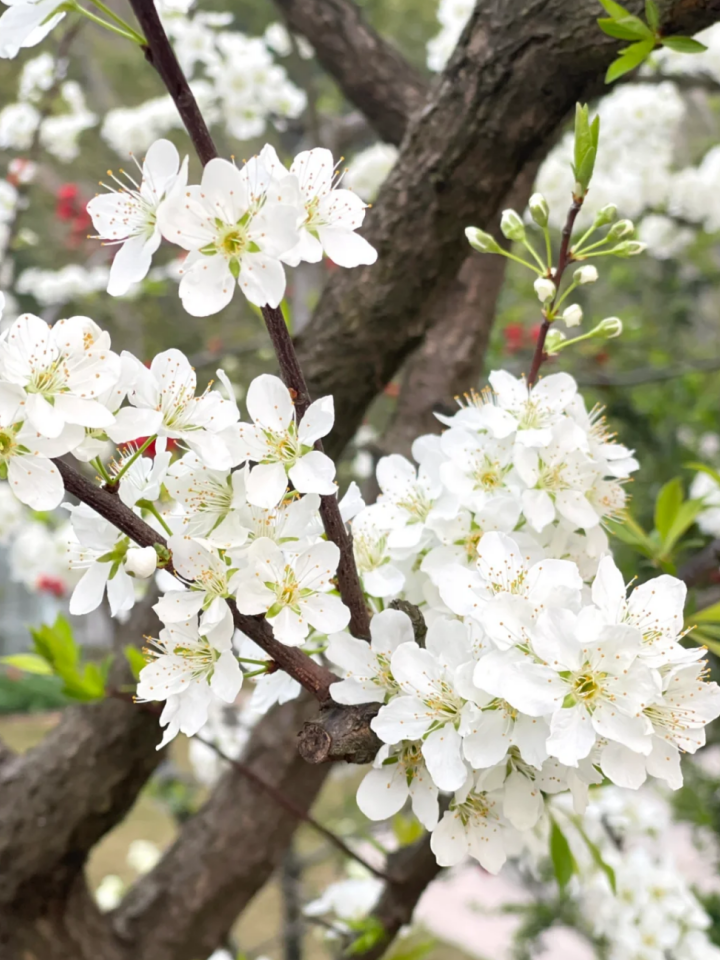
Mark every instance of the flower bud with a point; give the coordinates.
(141, 562)
(479, 240)
(573, 315)
(609, 327)
(620, 230)
(539, 209)
(553, 341)
(512, 226)
(629, 248)
(605, 215)
(586, 274)
(545, 289)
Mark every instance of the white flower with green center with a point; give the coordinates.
(477, 466)
(209, 500)
(209, 576)
(127, 215)
(187, 669)
(293, 592)
(233, 239)
(399, 772)
(366, 666)
(491, 727)
(164, 404)
(380, 575)
(473, 825)
(100, 550)
(328, 216)
(280, 447)
(53, 376)
(429, 707)
(26, 465)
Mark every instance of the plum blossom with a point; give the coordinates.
(54, 376)
(330, 216)
(187, 669)
(164, 404)
(128, 215)
(100, 550)
(292, 592)
(232, 239)
(281, 447)
(399, 772)
(26, 23)
(473, 825)
(367, 672)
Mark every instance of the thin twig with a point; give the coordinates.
(160, 54)
(564, 258)
(290, 807)
(347, 574)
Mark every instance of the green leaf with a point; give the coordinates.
(703, 468)
(371, 932)
(136, 660)
(586, 143)
(418, 951)
(684, 519)
(629, 59)
(629, 28)
(56, 644)
(707, 614)
(28, 662)
(561, 855)
(668, 502)
(652, 14)
(406, 829)
(702, 638)
(639, 541)
(683, 44)
(614, 10)
(598, 858)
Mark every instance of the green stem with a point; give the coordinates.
(579, 252)
(255, 673)
(569, 290)
(548, 247)
(525, 263)
(139, 38)
(133, 37)
(151, 508)
(588, 233)
(100, 467)
(262, 663)
(531, 249)
(138, 453)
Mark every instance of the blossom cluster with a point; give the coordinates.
(653, 913)
(539, 673)
(239, 226)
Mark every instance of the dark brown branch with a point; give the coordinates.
(414, 868)
(225, 854)
(313, 677)
(512, 82)
(160, 54)
(284, 801)
(340, 733)
(564, 258)
(371, 73)
(347, 574)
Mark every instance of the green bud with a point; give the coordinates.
(605, 215)
(610, 327)
(620, 230)
(630, 248)
(512, 226)
(554, 341)
(585, 148)
(539, 209)
(484, 242)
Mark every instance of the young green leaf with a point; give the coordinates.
(136, 660)
(28, 662)
(652, 14)
(629, 59)
(703, 468)
(561, 855)
(668, 502)
(709, 614)
(598, 858)
(684, 519)
(614, 10)
(683, 44)
(629, 28)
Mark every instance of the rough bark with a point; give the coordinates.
(516, 74)
(340, 733)
(224, 854)
(370, 71)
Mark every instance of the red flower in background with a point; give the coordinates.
(53, 585)
(70, 207)
(151, 451)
